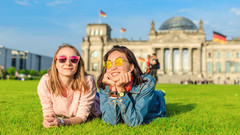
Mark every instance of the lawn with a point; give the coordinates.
(191, 109)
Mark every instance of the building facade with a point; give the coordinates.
(23, 60)
(181, 47)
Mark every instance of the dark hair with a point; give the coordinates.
(136, 73)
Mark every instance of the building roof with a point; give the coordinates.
(178, 23)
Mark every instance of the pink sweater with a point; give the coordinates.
(76, 104)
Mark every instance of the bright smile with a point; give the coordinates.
(115, 74)
(67, 68)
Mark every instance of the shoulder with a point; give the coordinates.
(44, 79)
(45, 76)
(89, 78)
(43, 84)
(148, 78)
(149, 84)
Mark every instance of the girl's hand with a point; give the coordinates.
(50, 120)
(107, 80)
(124, 79)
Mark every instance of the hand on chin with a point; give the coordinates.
(115, 79)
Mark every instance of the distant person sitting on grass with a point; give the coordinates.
(126, 94)
(67, 93)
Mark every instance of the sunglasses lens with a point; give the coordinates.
(118, 62)
(108, 64)
(74, 59)
(62, 59)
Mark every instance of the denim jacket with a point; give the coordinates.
(140, 105)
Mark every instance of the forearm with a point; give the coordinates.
(72, 121)
(130, 114)
(134, 113)
(109, 108)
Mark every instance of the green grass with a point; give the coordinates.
(191, 109)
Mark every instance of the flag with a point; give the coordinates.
(123, 30)
(218, 37)
(102, 14)
(141, 59)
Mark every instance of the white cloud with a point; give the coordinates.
(195, 22)
(58, 2)
(26, 2)
(236, 11)
(23, 2)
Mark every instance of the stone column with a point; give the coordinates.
(171, 61)
(190, 61)
(181, 61)
(161, 60)
(200, 62)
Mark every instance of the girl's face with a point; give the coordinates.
(65, 65)
(115, 71)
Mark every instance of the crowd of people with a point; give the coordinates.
(196, 82)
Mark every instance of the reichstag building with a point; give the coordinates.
(181, 47)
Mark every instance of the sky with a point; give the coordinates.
(40, 26)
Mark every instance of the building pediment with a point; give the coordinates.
(178, 38)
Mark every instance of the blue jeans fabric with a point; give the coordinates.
(140, 105)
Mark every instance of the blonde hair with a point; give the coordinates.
(78, 81)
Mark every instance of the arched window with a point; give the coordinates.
(237, 55)
(166, 59)
(94, 66)
(218, 67)
(228, 55)
(236, 67)
(218, 55)
(185, 60)
(209, 67)
(227, 67)
(92, 32)
(176, 60)
(101, 32)
(94, 54)
(96, 32)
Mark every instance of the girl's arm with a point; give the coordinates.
(134, 114)
(46, 101)
(108, 106)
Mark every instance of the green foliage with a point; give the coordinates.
(42, 72)
(191, 109)
(11, 70)
(33, 72)
(23, 71)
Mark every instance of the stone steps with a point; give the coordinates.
(176, 79)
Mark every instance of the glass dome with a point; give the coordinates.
(178, 23)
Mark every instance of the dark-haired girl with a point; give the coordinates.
(126, 94)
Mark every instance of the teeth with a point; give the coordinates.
(114, 74)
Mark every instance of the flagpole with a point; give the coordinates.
(120, 34)
(99, 18)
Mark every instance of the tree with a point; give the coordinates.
(11, 70)
(42, 72)
(32, 72)
(23, 71)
